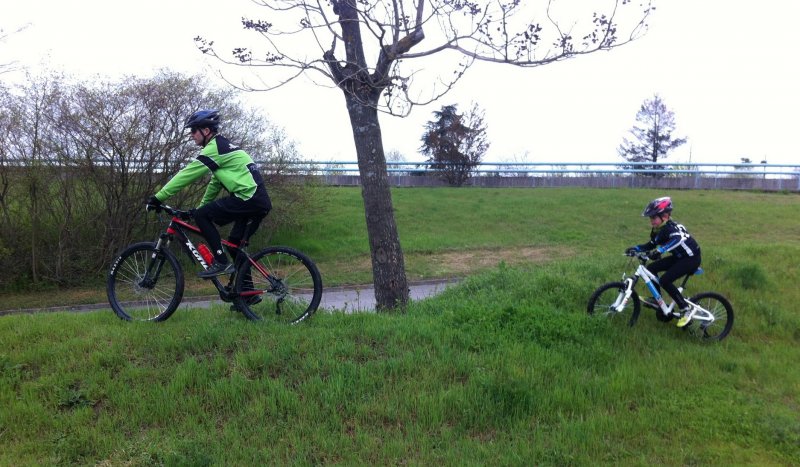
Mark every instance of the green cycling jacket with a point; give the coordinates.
(230, 168)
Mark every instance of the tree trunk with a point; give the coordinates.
(34, 199)
(388, 267)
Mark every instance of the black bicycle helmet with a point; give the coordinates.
(658, 207)
(203, 119)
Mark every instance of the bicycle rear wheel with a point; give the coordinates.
(278, 284)
(145, 284)
(607, 296)
(722, 310)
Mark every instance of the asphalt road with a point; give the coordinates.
(342, 299)
(350, 300)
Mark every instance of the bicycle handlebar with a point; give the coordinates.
(640, 255)
(185, 215)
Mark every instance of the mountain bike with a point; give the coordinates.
(146, 281)
(712, 313)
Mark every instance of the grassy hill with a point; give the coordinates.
(505, 368)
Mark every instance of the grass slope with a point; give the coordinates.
(503, 369)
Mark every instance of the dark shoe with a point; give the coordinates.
(216, 269)
(250, 301)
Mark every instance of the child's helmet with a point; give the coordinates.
(203, 119)
(658, 206)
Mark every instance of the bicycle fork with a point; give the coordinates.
(625, 295)
(630, 283)
(150, 277)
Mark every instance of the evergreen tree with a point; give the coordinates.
(652, 135)
(455, 143)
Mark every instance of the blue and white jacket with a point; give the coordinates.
(673, 238)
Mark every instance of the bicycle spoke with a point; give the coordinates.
(711, 304)
(144, 287)
(289, 281)
(606, 299)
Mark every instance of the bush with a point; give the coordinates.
(77, 161)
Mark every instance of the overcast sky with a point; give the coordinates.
(727, 68)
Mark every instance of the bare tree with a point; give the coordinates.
(395, 155)
(77, 161)
(517, 163)
(25, 142)
(395, 162)
(8, 66)
(333, 38)
(5, 158)
(652, 135)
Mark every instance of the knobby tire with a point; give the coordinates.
(286, 281)
(601, 301)
(722, 310)
(135, 294)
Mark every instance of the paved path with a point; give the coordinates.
(347, 299)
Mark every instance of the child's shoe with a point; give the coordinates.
(688, 313)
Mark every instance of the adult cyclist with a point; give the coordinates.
(231, 168)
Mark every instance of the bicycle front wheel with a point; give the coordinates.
(279, 284)
(722, 310)
(145, 284)
(607, 297)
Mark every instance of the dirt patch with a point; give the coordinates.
(465, 262)
(450, 264)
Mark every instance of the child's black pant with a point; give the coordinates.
(674, 268)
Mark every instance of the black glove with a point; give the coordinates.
(152, 204)
(187, 215)
(654, 255)
(631, 251)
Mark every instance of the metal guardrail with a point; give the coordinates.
(498, 169)
(582, 168)
(770, 177)
(487, 168)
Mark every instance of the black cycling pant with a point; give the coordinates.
(246, 215)
(674, 268)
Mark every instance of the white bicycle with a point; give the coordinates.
(711, 313)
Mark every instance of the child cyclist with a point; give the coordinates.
(667, 236)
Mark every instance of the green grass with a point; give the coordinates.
(463, 219)
(454, 232)
(505, 368)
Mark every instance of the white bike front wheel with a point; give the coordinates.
(606, 299)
